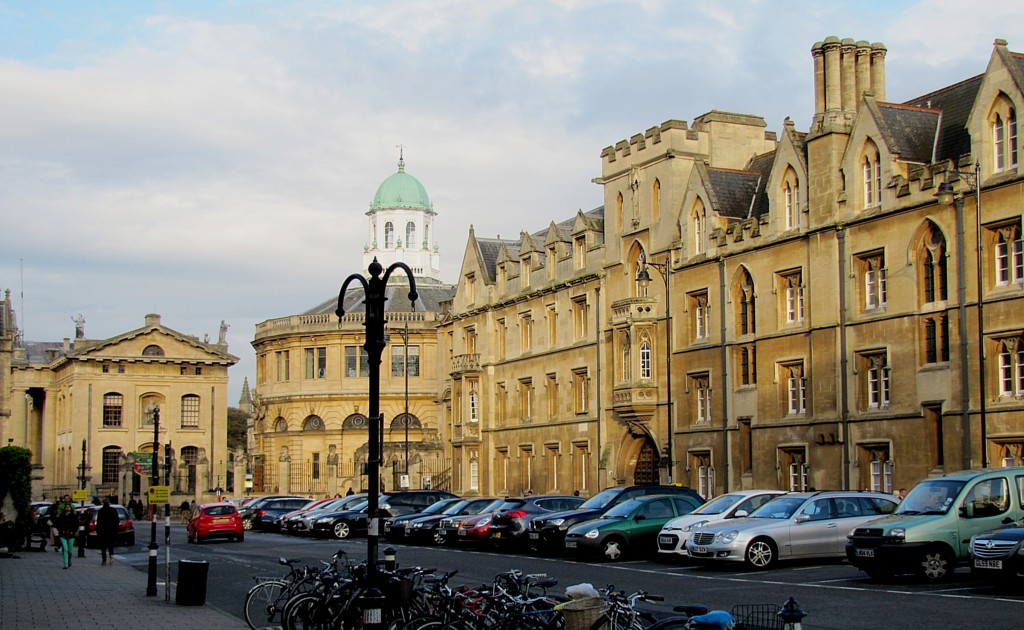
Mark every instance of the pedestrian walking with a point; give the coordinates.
(107, 520)
(66, 521)
(50, 520)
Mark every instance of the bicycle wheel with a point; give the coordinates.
(261, 603)
(303, 613)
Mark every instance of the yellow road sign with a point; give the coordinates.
(160, 495)
(79, 496)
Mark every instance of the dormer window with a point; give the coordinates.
(524, 271)
(1004, 139)
(872, 176)
(697, 222)
(792, 200)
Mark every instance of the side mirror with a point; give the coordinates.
(740, 514)
(639, 517)
(803, 518)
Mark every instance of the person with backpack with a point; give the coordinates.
(66, 522)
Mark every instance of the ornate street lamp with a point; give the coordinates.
(644, 278)
(947, 195)
(374, 346)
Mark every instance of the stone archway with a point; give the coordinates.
(645, 472)
(638, 460)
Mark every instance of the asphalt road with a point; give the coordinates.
(833, 594)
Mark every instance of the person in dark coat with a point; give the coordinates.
(107, 520)
(66, 522)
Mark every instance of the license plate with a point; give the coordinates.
(534, 536)
(665, 540)
(700, 550)
(988, 564)
(864, 553)
(221, 520)
(570, 544)
(462, 532)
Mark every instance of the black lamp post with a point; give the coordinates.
(154, 480)
(946, 196)
(374, 346)
(644, 278)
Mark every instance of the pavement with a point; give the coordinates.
(37, 592)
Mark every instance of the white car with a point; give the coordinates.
(797, 525)
(672, 539)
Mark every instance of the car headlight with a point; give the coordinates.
(557, 522)
(416, 525)
(324, 519)
(1020, 549)
(693, 526)
(729, 536)
(592, 534)
(486, 521)
(898, 532)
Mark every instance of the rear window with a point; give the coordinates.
(511, 505)
(219, 510)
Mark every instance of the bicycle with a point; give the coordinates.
(265, 602)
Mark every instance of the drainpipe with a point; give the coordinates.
(844, 395)
(725, 372)
(599, 482)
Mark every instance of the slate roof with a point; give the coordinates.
(732, 193)
(430, 294)
(955, 103)
(909, 131)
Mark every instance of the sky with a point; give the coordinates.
(214, 160)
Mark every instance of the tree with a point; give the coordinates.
(237, 420)
(15, 496)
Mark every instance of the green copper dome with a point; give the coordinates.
(401, 190)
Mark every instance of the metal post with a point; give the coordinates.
(82, 535)
(405, 338)
(981, 315)
(154, 480)
(373, 288)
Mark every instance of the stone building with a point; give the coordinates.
(88, 401)
(752, 309)
(311, 400)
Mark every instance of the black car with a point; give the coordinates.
(510, 524)
(997, 557)
(261, 514)
(427, 527)
(394, 527)
(547, 533)
(300, 521)
(355, 521)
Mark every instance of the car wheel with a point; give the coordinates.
(761, 554)
(613, 549)
(342, 530)
(199, 539)
(190, 538)
(935, 565)
(247, 524)
(437, 537)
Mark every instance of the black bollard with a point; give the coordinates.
(389, 560)
(791, 614)
(82, 538)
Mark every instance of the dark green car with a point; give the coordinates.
(629, 528)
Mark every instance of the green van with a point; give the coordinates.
(930, 532)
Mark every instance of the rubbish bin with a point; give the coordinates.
(191, 582)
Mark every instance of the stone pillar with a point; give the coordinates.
(848, 57)
(817, 54)
(833, 87)
(202, 476)
(239, 473)
(863, 69)
(284, 472)
(878, 70)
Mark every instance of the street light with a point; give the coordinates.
(946, 196)
(374, 346)
(153, 411)
(644, 278)
(405, 419)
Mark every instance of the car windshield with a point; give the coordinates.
(358, 507)
(780, 508)
(435, 508)
(622, 510)
(600, 500)
(719, 505)
(935, 496)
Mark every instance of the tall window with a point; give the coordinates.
(794, 462)
(700, 386)
(410, 234)
(189, 411)
(581, 391)
(655, 200)
(111, 463)
(113, 405)
(879, 467)
(501, 403)
(399, 362)
(796, 388)
(625, 357)
(876, 383)
(932, 258)
(748, 365)
(581, 466)
(645, 358)
(389, 235)
(1011, 368)
(474, 401)
(501, 469)
(701, 314)
(283, 358)
(873, 275)
(872, 177)
(357, 361)
(525, 268)
(552, 316)
(1004, 136)
(552, 453)
(316, 362)
(474, 469)
(502, 333)
(705, 473)
(525, 332)
(580, 251)
(526, 398)
(552, 395)
(791, 197)
(746, 313)
(792, 285)
(1009, 255)
(525, 469)
(936, 339)
(580, 314)
(697, 222)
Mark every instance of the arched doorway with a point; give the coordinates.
(646, 471)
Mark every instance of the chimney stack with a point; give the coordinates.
(844, 70)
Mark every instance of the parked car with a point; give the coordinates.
(247, 510)
(672, 538)
(629, 528)
(394, 527)
(301, 522)
(428, 527)
(410, 501)
(215, 520)
(475, 529)
(930, 533)
(511, 521)
(998, 556)
(344, 523)
(352, 522)
(547, 533)
(312, 505)
(125, 526)
(797, 525)
(39, 532)
(262, 515)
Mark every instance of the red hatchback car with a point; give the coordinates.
(215, 520)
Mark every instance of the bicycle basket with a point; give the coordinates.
(756, 617)
(580, 614)
(401, 589)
